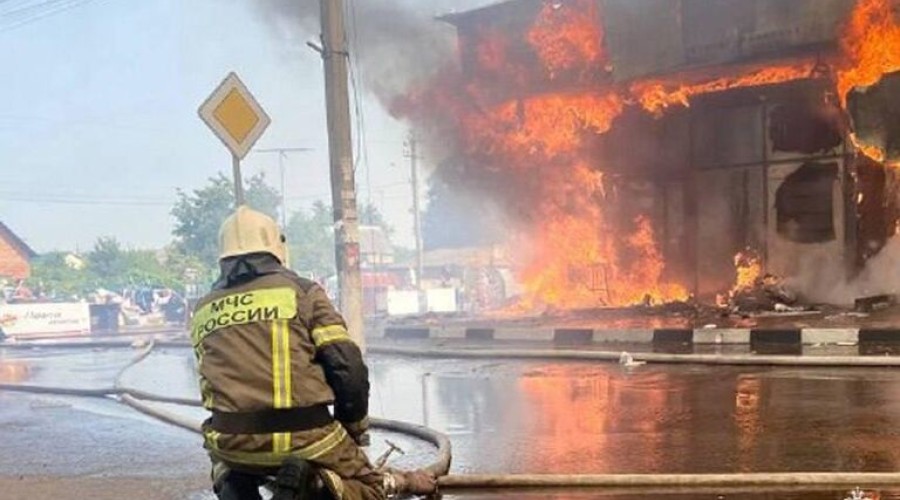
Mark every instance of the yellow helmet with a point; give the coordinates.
(247, 231)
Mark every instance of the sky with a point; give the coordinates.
(99, 126)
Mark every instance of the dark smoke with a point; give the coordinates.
(394, 43)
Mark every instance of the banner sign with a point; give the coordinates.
(20, 320)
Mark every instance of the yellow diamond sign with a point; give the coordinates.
(234, 116)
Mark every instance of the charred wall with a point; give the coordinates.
(696, 33)
(760, 168)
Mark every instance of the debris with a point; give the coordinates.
(874, 303)
(627, 360)
(784, 308)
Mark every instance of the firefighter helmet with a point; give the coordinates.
(247, 231)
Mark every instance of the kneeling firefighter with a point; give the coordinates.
(273, 354)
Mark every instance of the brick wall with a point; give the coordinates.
(12, 263)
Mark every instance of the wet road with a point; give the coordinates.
(508, 416)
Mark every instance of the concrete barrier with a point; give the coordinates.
(573, 336)
(761, 340)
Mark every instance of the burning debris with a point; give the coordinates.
(755, 291)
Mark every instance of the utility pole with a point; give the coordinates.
(282, 154)
(417, 220)
(334, 51)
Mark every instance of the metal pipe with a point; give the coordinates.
(703, 359)
(756, 480)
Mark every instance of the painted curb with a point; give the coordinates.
(778, 337)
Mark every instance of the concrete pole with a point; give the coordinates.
(343, 188)
(417, 214)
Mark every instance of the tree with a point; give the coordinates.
(107, 261)
(111, 267)
(369, 215)
(311, 241)
(311, 238)
(199, 215)
(52, 275)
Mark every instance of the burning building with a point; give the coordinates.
(637, 146)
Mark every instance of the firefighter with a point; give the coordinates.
(273, 354)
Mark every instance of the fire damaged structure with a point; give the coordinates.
(642, 144)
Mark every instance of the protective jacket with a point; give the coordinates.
(272, 355)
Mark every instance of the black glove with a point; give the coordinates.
(359, 431)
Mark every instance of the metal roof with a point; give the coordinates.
(452, 16)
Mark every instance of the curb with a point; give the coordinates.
(782, 339)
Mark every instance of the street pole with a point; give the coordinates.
(417, 221)
(282, 154)
(335, 53)
(238, 182)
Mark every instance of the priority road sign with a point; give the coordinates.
(235, 116)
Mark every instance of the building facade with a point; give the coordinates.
(15, 255)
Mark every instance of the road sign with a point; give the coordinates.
(234, 115)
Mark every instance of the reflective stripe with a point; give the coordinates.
(205, 387)
(325, 335)
(212, 439)
(281, 383)
(206, 392)
(318, 449)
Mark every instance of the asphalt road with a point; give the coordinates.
(503, 417)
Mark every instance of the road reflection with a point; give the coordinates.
(602, 418)
(14, 371)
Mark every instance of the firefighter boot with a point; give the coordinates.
(294, 480)
(418, 482)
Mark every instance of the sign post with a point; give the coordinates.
(237, 119)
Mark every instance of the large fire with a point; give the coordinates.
(525, 127)
(568, 38)
(870, 45)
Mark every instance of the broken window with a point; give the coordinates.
(804, 128)
(804, 204)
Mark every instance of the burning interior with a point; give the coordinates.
(638, 146)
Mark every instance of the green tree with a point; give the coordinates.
(369, 215)
(112, 267)
(199, 214)
(107, 262)
(53, 276)
(311, 238)
(311, 241)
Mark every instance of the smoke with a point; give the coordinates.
(881, 275)
(393, 43)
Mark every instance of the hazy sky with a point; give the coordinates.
(98, 125)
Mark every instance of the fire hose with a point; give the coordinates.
(628, 483)
(564, 355)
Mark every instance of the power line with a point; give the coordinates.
(70, 4)
(63, 201)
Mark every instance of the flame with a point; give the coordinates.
(527, 143)
(549, 125)
(658, 95)
(870, 45)
(873, 152)
(568, 37)
(749, 270)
